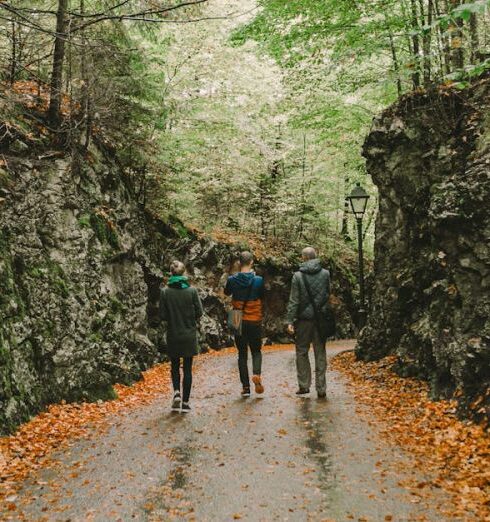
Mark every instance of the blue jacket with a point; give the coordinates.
(237, 286)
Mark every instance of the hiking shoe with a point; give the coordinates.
(322, 395)
(185, 407)
(302, 391)
(176, 402)
(259, 387)
(246, 392)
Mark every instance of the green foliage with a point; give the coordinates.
(84, 221)
(254, 126)
(104, 231)
(462, 79)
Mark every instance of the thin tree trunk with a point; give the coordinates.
(303, 191)
(415, 46)
(39, 98)
(69, 90)
(446, 48)
(474, 38)
(457, 54)
(85, 83)
(344, 232)
(396, 68)
(13, 63)
(427, 41)
(54, 111)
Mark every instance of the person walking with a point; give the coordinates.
(310, 283)
(247, 290)
(181, 307)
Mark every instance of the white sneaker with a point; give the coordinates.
(176, 402)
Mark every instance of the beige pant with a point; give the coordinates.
(306, 334)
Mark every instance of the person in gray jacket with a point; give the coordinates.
(181, 307)
(301, 321)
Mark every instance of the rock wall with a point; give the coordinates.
(80, 270)
(429, 156)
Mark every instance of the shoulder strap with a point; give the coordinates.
(312, 300)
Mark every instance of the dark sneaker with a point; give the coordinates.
(185, 407)
(259, 387)
(176, 402)
(322, 395)
(246, 392)
(302, 392)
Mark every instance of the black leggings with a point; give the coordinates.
(187, 380)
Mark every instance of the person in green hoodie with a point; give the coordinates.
(181, 308)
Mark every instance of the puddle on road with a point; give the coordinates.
(312, 416)
(182, 456)
(169, 496)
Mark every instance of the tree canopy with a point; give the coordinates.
(235, 114)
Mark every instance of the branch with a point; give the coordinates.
(138, 16)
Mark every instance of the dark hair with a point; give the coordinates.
(246, 258)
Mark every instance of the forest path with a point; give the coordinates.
(276, 458)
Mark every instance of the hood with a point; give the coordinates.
(178, 282)
(312, 266)
(244, 278)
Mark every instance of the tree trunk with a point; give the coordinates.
(457, 54)
(444, 39)
(396, 68)
(54, 111)
(13, 59)
(85, 84)
(415, 46)
(302, 191)
(427, 41)
(345, 222)
(474, 38)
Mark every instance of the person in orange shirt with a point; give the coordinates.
(247, 290)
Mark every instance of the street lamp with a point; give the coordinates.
(358, 201)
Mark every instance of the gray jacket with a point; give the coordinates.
(299, 306)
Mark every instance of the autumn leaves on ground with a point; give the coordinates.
(455, 454)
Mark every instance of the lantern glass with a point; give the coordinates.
(358, 201)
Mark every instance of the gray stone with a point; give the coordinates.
(80, 272)
(428, 155)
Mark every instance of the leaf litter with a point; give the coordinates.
(455, 452)
(30, 448)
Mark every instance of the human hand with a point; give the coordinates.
(290, 329)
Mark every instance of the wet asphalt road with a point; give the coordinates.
(275, 458)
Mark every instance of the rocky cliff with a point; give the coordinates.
(429, 156)
(80, 269)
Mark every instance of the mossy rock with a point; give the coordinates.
(103, 231)
(99, 392)
(5, 179)
(52, 273)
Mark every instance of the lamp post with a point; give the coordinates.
(358, 201)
